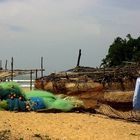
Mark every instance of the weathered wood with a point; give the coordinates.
(5, 74)
(31, 79)
(6, 65)
(28, 70)
(79, 56)
(87, 84)
(36, 74)
(12, 68)
(0, 64)
(119, 78)
(41, 66)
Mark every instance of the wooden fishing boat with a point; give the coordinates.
(112, 86)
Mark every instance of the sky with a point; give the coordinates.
(57, 29)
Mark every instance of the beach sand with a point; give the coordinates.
(65, 126)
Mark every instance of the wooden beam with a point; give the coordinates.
(79, 57)
(28, 70)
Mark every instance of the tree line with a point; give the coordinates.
(123, 51)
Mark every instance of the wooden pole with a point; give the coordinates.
(0, 64)
(31, 79)
(6, 65)
(41, 66)
(36, 73)
(12, 70)
(79, 57)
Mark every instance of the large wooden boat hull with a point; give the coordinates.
(92, 87)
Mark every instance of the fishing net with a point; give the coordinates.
(16, 105)
(74, 100)
(7, 88)
(50, 101)
(107, 110)
(39, 93)
(61, 104)
(3, 105)
(37, 99)
(37, 103)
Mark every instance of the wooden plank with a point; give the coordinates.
(28, 70)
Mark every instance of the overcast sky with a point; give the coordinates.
(57, 29)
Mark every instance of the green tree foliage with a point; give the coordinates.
(122, 50)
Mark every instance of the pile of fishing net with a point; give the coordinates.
(13, 98)
(9, 94)
(131, 115)
(43, 99)
(3, 105)
(8, 88)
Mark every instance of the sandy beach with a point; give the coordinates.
(65, 126)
